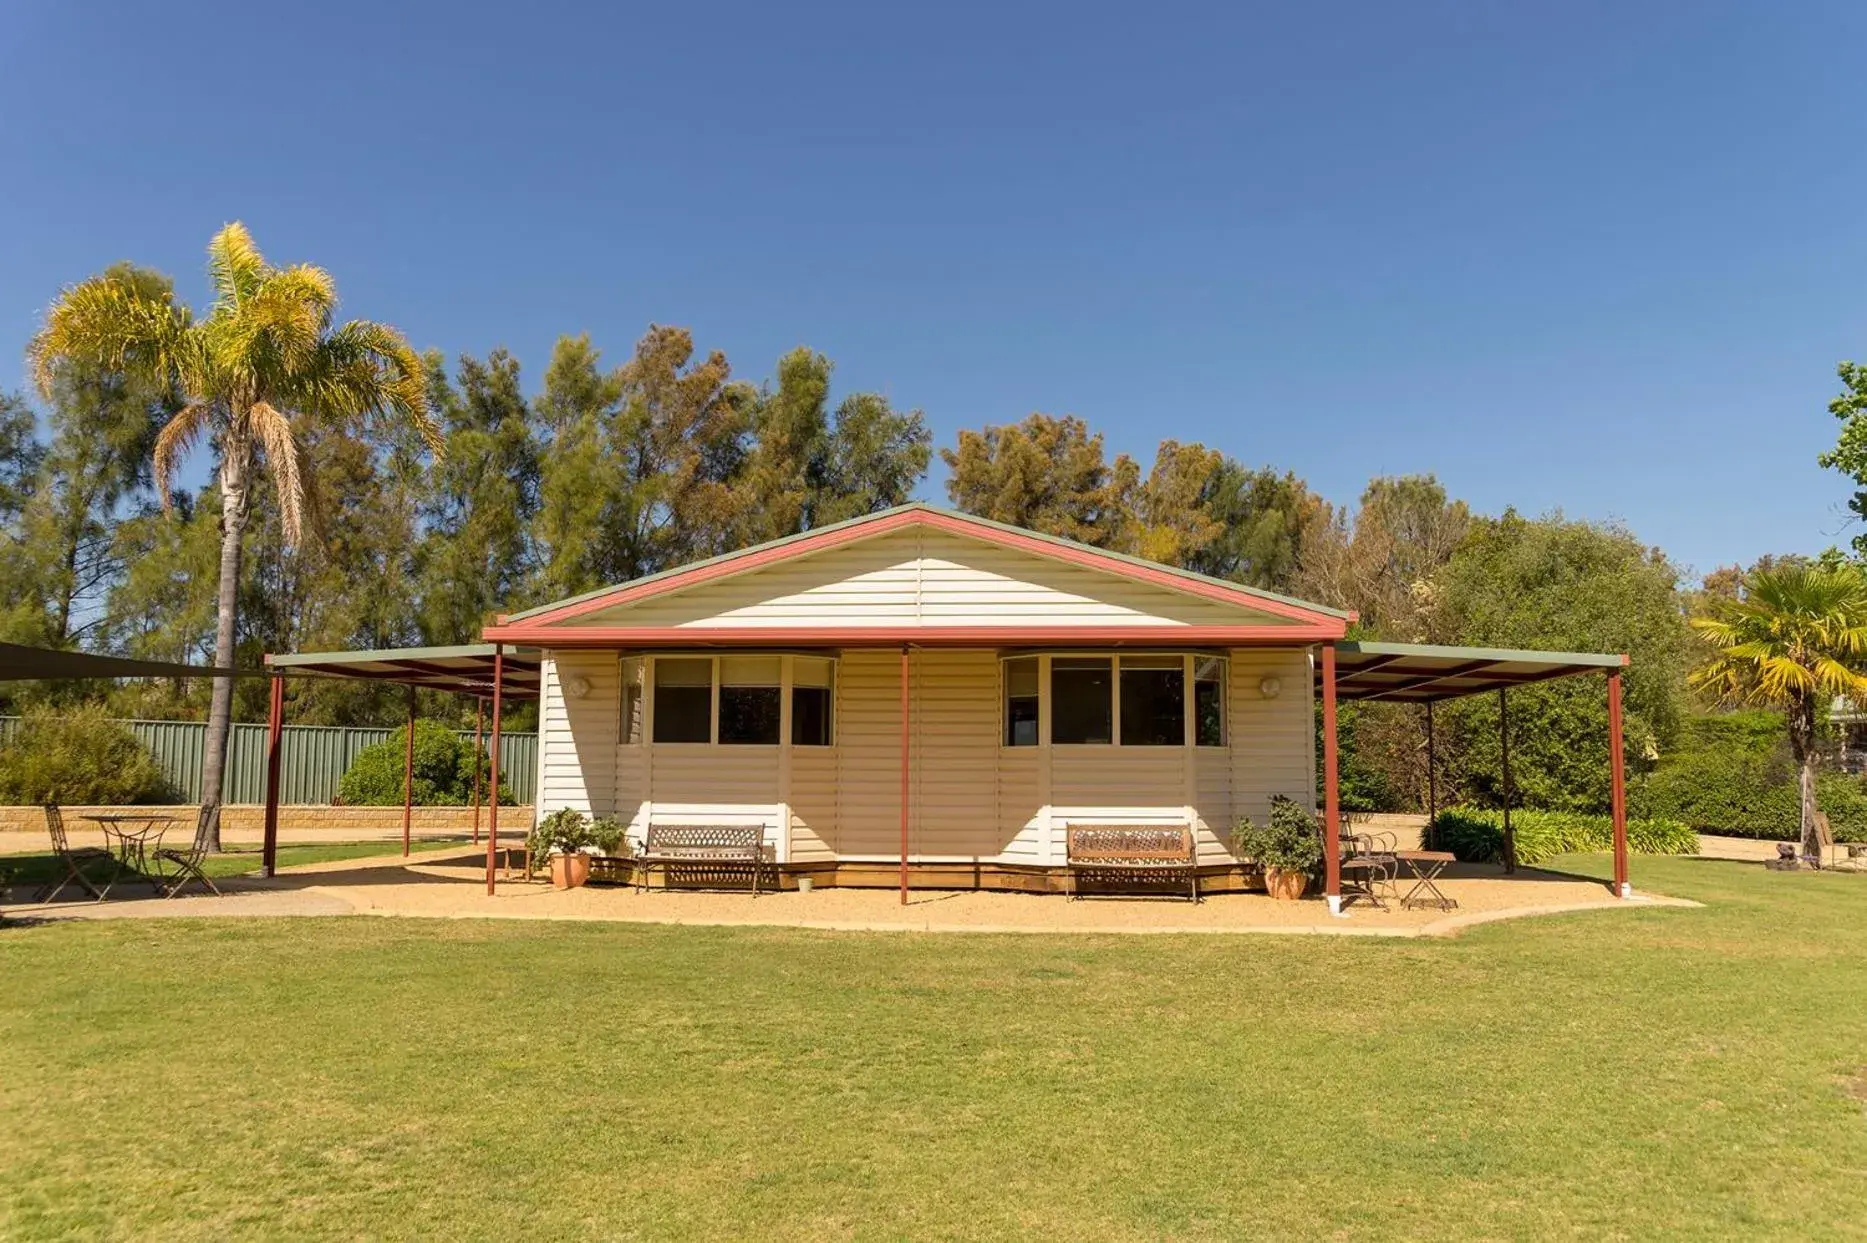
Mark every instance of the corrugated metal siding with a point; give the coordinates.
(313, 758)
(924, 576)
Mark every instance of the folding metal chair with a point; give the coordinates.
(178, 867)
(73, 861)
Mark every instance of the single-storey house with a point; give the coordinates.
(919, 691)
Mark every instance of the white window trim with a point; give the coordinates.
(786, 682)
(1189, 700)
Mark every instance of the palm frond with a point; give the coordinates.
(108, 323)
(365, 368)
(235, 265)
(1797, 631)
(174, 441)
(279, 442)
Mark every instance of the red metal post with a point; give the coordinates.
(1617, 785)
(1331, 792)
(904, 776)
(275, 736)
(492, 762)
(479, 729)
(408, 771)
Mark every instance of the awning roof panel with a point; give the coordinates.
(1426, 673)
(466, 669)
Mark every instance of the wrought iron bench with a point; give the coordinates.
(1144, 850)
(703, 848)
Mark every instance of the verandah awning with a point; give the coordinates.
(465, 669)
(1427, 673)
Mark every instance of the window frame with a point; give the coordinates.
(1190, 661)
(786, 687)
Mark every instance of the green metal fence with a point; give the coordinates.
(313, 758)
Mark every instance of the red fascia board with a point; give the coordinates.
(532, 634)
(1158, 576)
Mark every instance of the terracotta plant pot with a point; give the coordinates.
(1285, 886)
(570, 871)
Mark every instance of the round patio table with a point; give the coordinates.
(131, 836)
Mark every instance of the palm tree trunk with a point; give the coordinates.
(1802, 748)
(234, 472)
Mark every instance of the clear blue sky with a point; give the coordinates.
(1596, 256)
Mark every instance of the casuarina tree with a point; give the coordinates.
(266, 364)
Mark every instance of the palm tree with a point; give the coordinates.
(1797, 635)
(266, 360)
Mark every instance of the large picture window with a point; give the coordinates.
(1082, 703)
(1129, 700)
(738, 700)
(1153, 701)
(684, 699)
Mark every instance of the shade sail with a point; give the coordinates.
(1426, 673)
(19, 663)
(465, 670)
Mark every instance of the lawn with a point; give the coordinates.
(27, 872)
(1653, 1073)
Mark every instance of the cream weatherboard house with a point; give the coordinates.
(921, 696)
(1042, 683)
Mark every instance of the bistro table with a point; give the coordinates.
(1425, 867)
(131, 836)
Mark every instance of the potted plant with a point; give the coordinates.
(564, 836)
(1288, 847)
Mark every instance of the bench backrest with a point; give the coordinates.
(1113, 843)
(702, 841)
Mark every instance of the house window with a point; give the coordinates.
(630, 727)
(1153, 701)
(813, 694)
(684, 699)
(750, 699)
(1021, 702)
(1209, 701)
(1082, 700)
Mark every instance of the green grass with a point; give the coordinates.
(1642, 1074)
(26, 872)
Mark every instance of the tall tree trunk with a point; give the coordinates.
(1802, 748)
(235, 475)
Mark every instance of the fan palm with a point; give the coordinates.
(1797, 635)
(267, 358)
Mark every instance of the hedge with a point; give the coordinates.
(443, 771)
(1732, 774)
(78, 756)
(1476, 834)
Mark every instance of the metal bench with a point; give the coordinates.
(703, 848)
(1144, 850)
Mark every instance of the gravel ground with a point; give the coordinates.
(450, 885)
